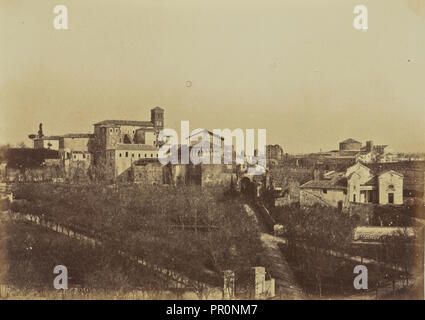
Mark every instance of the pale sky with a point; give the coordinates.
(297, 68)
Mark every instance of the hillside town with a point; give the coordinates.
(368, 195)
(127, 151)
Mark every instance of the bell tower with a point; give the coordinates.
(157, 118)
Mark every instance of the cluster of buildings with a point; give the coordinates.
(358, 184)
(369, 153)
(127, 151)
(373, 174)
(116, 147)
(351, 151)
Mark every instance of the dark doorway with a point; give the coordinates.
(339, 206)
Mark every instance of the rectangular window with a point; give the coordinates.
(390, 197)
(126, 154)
(345, 191)
(354, 198)
(325, 190)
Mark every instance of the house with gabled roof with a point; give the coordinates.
(358, 184)
(366, 185)
(328, 189)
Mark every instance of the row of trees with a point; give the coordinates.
(195, 231)
(311, 234)
(32, 253)
(318, 240)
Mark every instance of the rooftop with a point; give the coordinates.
(125, 146)
(337, 181)
(78, 135)
(48, 138)
(349, 140)
(124, 123)
(198, 134)
(413, 172)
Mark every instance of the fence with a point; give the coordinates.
(79, 293)
(177, 280)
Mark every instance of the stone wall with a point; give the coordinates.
(218, 174)
(331, 198)
(75, 144)
(149, 173)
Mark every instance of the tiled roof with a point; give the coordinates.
(125, 123)
(136, 147)
(394, 172)
(68, 135)
(198, 134)
(48, 138)
(336, 183)
(78, 135)
(372, 182)
(413, 172)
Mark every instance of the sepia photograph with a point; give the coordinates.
(229, 151)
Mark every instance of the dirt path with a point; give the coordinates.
(279, 269)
